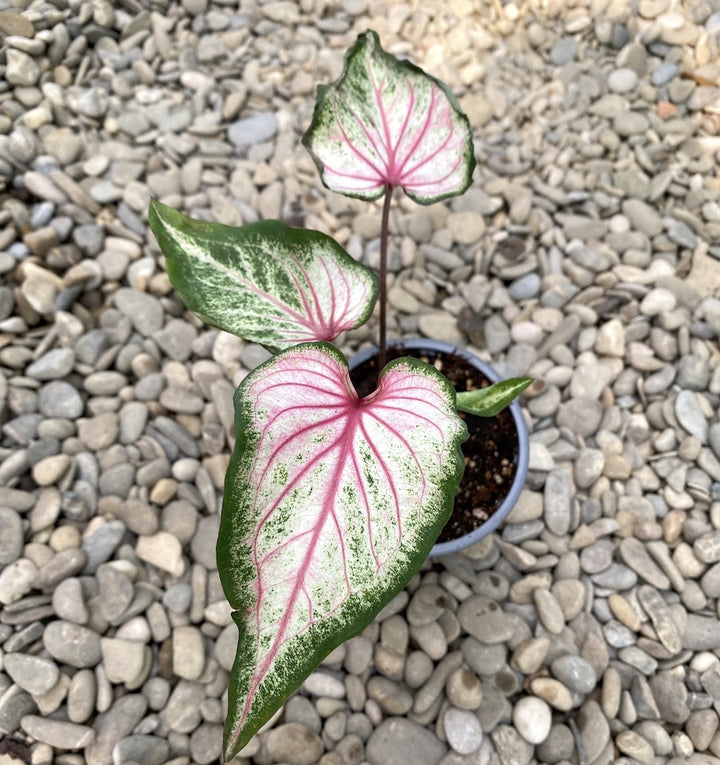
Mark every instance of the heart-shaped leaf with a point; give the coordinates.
(487, 402)
(265, 282)
(385, 122)
(331, 503)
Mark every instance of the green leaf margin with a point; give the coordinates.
(369, 38)
(164, 221)
(236, 574)
(487, 402)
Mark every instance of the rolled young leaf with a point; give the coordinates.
(332, 502)
(385, 122)
(266, 282)
(487, 402)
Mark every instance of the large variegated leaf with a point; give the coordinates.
(265, 282)
(332, 502)
(385, 122)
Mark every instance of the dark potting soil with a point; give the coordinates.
(491, 451)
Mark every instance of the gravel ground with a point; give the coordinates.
(585, 255)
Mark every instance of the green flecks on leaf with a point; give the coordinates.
(265, 282)
(309, 553)
(487, 402)
(385, 122)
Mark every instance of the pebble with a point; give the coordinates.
(462, 730)
(397, 739)
(533, 719)
(581, 256)
(57, 733)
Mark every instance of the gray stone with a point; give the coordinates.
(52, 365)
(690, 415)
(557, 501)
(462, 730)
(252, 130)
(397, 739)
(112, 726)
(564, 51)
(182, 712)
(483, 618)
(58, 734)
(11, 536)
(145, 311)
(204, 541)
(72, 644)
(143, 750)
(60, 399)
(574, 672)
(671, 696)
(34, 674)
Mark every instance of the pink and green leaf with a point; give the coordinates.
(487, 402)
(386, 123)
(266, 282)
(331, 504)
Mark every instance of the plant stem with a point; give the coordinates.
(384, 225)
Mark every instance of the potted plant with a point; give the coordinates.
(333, 500)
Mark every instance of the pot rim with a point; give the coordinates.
(455, 545)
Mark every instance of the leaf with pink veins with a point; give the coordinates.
(332, 502)
(385, 122)
(265, 282)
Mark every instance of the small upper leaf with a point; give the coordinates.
(265, 282)
(487, 402)
(385, 122)
(331, 504)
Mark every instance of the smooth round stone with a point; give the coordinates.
(11, 536)
(162, 550)
(635, 746)
(532, 717)
(564, 51)
(574, 672)
(123, 660)
(552, 691)
(462, 730)
(588, 467)
(143, 750)
(52, 365)
(116, 591)
(81, 696)
(294, 744)
(57, 733)
(205, 744)
(60, 399)
(558, 746)
(34, 674)
(663, 73)
(390, 696)
(622, 80)
(426, 605)
(690, 415)
(68, 601)
(188, 652)
(525, 287)
(484, 619)
(145, 311)
(72, 644)
(464, 689)
(398, 739)
(418, 668)
(321, 683)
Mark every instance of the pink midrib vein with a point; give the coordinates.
(353, 414)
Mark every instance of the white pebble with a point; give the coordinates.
(532, 718)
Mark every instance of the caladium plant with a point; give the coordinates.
(332, 501)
